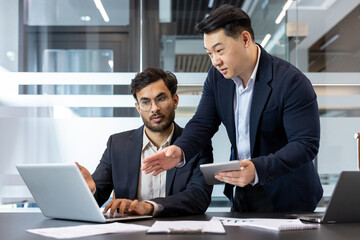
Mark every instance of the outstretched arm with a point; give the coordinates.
(189, 194)
(163, 160)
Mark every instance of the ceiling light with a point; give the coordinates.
(328, 42)
(111, 64)
(265, 40)
(280, 17)
(283, 11)
(275, 38)
(101, 8)
(211, 3)
(287, 5)
(265, 4)
(10, 55)
(85, 18)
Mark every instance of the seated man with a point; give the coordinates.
(179, 191)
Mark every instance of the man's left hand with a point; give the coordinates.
(87, 176)
(241, 177)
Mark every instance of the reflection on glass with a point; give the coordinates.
(77, 60)
(338, 49)
(78, 13)
(182, 50)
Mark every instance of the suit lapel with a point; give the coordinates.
(133, 158)
(170, 174)
(227, 89)
(261, 94)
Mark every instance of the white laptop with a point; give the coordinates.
(61, 192)
(344, 203)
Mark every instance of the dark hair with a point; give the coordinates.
(232, 19)
(150, 75)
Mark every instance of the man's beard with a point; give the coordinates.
(163, 125)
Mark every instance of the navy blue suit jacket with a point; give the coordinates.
(284, 130)
(119, 167)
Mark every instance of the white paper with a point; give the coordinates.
(187, 227)
(228, 221)
(277, 224)
(88, 230)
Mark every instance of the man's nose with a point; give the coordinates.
(216, 61)
(154, 106)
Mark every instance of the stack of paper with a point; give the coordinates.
(267, 223)
(187, 227)
(88, 230)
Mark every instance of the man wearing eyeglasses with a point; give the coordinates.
(179, 191)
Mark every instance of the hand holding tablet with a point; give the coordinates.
(211, 169)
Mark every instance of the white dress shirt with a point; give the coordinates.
(152, 186)
(242, 107)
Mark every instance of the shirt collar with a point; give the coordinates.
(147, 142)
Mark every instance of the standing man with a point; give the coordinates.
(179, 191)
(270, 112)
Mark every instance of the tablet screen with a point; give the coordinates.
(209, 170)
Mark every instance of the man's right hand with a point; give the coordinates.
(87, 176)
(163, 160)
(128, 206)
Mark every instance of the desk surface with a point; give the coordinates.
(14, 225)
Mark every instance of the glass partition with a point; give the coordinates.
(182, 49)
(65, 68)
(323, 42)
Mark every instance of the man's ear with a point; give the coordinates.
(246, 38)
(137, 107)
(176, 100)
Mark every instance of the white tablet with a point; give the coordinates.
(209, 170)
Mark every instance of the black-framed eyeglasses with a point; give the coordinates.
(145, 105)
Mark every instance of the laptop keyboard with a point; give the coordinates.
(116, 215)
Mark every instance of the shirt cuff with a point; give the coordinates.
(256, 180)
(157, 207)
(182, 162)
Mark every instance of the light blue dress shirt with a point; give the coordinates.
(242, 107)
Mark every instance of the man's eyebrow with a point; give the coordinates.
(144, 98)
(159, 95)
(215, 45)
